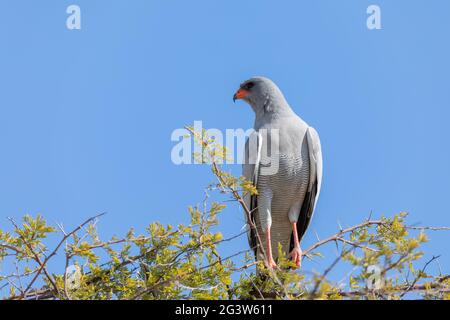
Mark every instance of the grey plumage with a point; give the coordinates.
(281, 140)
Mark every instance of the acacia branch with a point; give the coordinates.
(42, 264)
(338, 236)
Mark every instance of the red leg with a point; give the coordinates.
(296, 253)
(270, 262)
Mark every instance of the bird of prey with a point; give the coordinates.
(283, 159)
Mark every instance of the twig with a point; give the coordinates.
(43, 264)
(338, 236)
(418, 276)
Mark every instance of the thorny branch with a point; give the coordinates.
(50, 293)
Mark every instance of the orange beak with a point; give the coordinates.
(240, 94)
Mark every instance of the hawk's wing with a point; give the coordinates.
(250, 170)
(315, 182)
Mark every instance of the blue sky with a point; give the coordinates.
(86, 115)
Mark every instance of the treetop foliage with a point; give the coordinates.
(183, 262)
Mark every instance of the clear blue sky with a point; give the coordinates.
(86, 116)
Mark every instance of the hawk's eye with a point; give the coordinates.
(248, 86)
